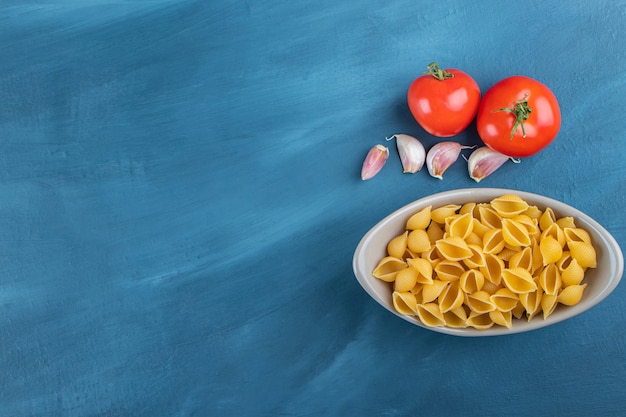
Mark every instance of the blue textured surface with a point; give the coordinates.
(180, 201)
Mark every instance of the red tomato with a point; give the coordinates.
(518, 117)
(444, 102)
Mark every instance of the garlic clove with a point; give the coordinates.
(374, 161)
(484, 161)
(411, 151)
(441, 156)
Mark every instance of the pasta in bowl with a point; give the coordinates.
(487, 261)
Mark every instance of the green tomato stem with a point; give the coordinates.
(437, 72)
(521, 111)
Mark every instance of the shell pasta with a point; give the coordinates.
(480, 265)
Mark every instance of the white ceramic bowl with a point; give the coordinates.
(601, 280)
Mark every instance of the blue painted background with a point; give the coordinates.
(180, 201)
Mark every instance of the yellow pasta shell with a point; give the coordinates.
(571, 295)
(509, 205)
(449, 270)
(451, 297)
(584, 253)
(504, 299)
(531, 302)
(430, 292)
(440, 213)
(461, 226)
(566, 222)
(531, 225)
(550, 279)
(430, 315)
(479, 321)
(477, 260)
(533, 212)
(548, 304)
(405, 279)
(514, 233)
(522, 259)
(576, 234)
(546, 218)
(404, 302)
(419, 220)
(424, 270)
(398, 245)
(489, 217)
(479, 228)
(456, 318)
(490, 287)
(493, 242)
(418, 241)
(388, 267)
(556, 232)
(519, 280)
(502, 318)
(472, 281)
(551, 250)
(435, 232)
(493, 268)
(573, 274)
(468, 208)
(453, 248)
(479, 302)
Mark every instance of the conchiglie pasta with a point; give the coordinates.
(439, 214)
(418, 241)
(398, 245)
(493, 268)
(461, 226)
(493, 241)
(489, 217)
(502, 318)
(484, 264)
(480, 321)
(453, 248)
(571, 295)
(576, 234)
(584, 253)
(509, 205)
(449, 270)
(430, 315)
(456, 318)
(388, 267)
(504, 299)
(573, 274)
(419, 220)
(550, 279)
(514, 233)
(405, 279)
(424, 270)
(519, 280)
(404, 302)
(452, 297)
(550, 249)
(548, 304)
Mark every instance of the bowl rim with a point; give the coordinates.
(615, 263)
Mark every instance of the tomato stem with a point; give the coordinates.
(437, 72)
(521, 111)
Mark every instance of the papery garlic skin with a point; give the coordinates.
(411, 151)
(441, 156)
(484, 161)
(374, 161)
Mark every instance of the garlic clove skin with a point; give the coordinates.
(411, 151)
(484, 161)
(374, 161)
(441, 156)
